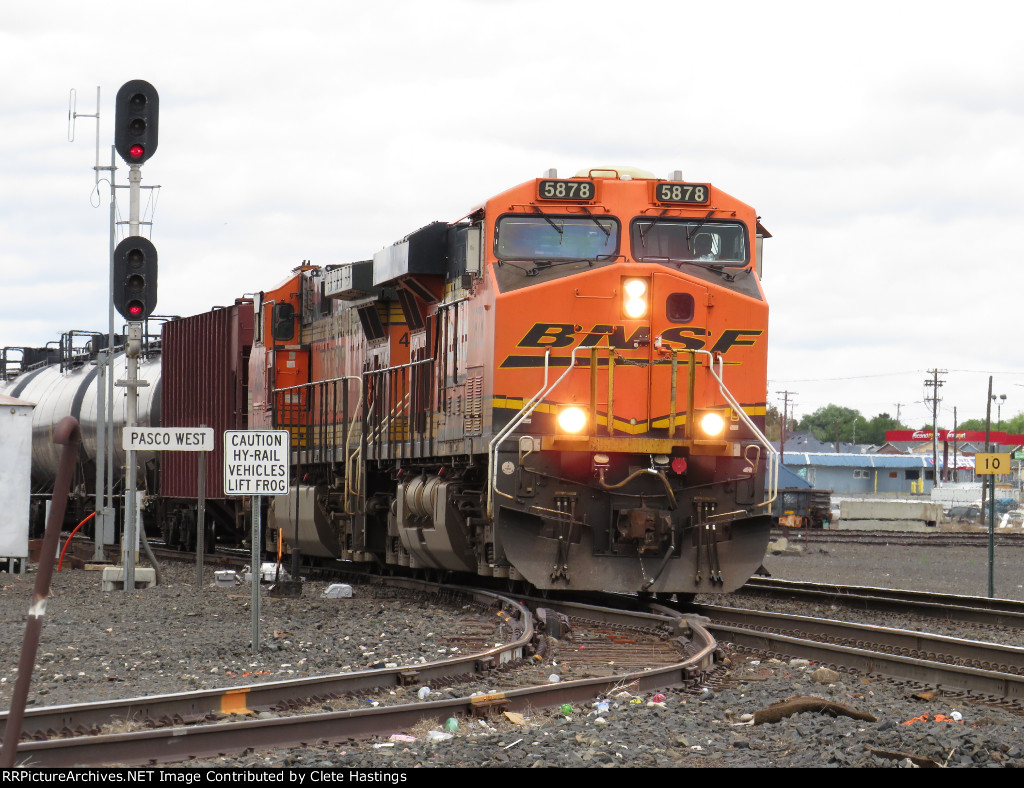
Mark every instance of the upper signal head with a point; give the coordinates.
(137, 111)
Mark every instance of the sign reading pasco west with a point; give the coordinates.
(167, 439)
(256, 462)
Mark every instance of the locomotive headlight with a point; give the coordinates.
(636, 288)
(634, 294)
(712, 424)
(572, 419)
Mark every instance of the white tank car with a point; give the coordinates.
(57, 394)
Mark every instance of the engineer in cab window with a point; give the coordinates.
(702, 247)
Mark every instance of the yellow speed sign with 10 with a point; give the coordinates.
(991, 464)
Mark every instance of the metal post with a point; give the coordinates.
(110, 336)
(133, 349)
(992, 496)
(201, 518)
(296, 550)
(68, 434)
(673, 394)
(992, 537)
(256, 567)
(131, 382)
(101, 453)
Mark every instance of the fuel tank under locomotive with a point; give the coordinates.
(427, 523)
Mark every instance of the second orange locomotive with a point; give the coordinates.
(566, 387)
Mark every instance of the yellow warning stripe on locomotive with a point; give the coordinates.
(622, 425)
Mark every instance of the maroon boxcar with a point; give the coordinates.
(204, 383)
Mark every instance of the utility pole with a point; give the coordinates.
(785, 417)
(935, 384)
(956, 428)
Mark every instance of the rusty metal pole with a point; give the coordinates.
(67, 434)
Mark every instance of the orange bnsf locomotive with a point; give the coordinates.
(566, 388)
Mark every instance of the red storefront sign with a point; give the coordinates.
(949, 436)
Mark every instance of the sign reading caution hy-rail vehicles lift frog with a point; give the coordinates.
(256, 462)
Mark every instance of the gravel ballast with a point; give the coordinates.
(97, 645)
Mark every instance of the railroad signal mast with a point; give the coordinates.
(134, 266)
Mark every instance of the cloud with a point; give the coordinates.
(880, 144)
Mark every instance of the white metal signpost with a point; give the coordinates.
(256, 463)
(172, 439)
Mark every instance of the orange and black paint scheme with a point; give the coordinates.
(565, 390)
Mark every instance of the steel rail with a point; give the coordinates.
(971, 679)
(930, 538)
(978, 610)
(180, 743)
(203, 704)
(909, 643)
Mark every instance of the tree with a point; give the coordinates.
(877, 427)
(1011, 426)
(834, 424)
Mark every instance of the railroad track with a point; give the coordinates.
(932, 538)
(986, 668)
(976, 610)
(649, 651)
(653, 650)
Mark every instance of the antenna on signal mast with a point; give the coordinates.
(104, 527)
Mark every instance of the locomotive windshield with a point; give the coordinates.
(540, 247)
(546, 238)
(692, 240)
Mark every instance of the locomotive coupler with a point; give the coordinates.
(646, 528)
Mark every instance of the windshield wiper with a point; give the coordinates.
(545, 264)
(696, 227)
(654, 221)
(549, 220)
(729, 276)
(594, 219)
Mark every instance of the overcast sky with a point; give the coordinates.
(881, 143)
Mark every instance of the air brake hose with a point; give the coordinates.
(660, 474)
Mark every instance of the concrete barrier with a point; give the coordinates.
(883, 525)
(921, 511)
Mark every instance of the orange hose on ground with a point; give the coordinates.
(87, 519)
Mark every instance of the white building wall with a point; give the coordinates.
(15, 471)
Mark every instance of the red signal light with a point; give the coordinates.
(136, 151)
(135, 309)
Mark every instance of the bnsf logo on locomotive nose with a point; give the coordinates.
(556, 335)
